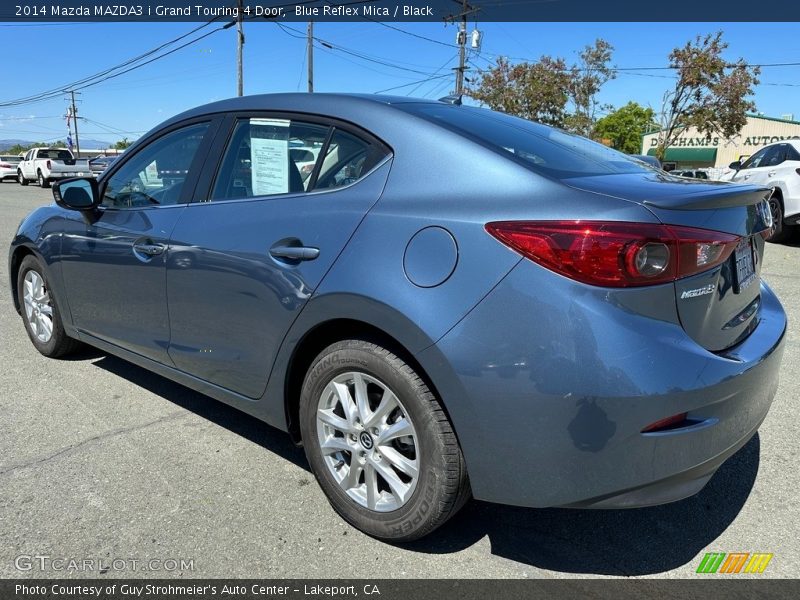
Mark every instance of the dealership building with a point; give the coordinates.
(695, 150)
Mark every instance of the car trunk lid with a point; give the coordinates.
(718, 308)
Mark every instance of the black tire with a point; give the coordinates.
(59, 344)
(21, 178)
(780, 231)
(442, 486)
(44, 182)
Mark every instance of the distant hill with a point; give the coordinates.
(5, 144)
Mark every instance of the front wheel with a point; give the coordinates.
(379, 442)
(40, 312)
(21, 178)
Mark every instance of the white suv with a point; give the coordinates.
(776, 166)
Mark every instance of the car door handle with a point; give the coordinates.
(747, 177)
(149, 248)
(771, 173)
(294, 252)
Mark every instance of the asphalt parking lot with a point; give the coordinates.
(100, 459)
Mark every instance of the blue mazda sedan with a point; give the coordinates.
(436, 301)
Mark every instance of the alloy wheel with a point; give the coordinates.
(38, 306)
(368, 441)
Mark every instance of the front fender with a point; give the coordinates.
(40, 234)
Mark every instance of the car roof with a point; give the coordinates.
(320, 103)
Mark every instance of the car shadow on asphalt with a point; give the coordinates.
(629, 542)
(233, 420)
(640, 541)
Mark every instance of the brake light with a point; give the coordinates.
(5, 166)
(797, 171)
(49, 166)
(616, 254)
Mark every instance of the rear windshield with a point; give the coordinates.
(544, 149)
(11, 158)
(55, 154)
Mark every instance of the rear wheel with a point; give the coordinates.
(21, 178)
(780, 231)
(40, 312)
(44, 182)
(379, 442)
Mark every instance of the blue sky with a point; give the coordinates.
(274, 61)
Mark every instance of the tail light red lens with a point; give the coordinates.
(666, 424)
(616, 254)
(4, 165)
(49, 166)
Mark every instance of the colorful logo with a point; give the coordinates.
(734, 562)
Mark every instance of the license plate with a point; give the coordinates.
(745, 265)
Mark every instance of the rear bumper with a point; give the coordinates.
(550, 383)
(67, 174)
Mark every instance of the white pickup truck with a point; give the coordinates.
(46, 164)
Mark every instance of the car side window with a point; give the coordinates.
(776, 156)
(792, 153)
(347, 159)
(267, 156)
(756, 160)
(155, 175)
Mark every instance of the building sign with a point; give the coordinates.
(713, 142)
(690, 142)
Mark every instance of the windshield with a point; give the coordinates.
(544, 149)
(14, 159)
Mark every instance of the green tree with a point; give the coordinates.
(587, 77)
(20, 148)
(625, 126)
(122, 144)
(548, 90)
(537, 91)
(711, 93)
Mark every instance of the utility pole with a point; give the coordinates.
(239, 49)
(310, 56)
(461, 39)
(75, 118)
(462, 49)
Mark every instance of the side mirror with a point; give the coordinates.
(735, 165)
(78, 193)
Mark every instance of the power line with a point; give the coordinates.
(397, 87)
(618, 69)
(296, 33)
(109, 72)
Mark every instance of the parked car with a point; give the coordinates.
(691, 173)
(46, 165)
(98, 164)
(8, 166)
(542, 321)
(776, 166)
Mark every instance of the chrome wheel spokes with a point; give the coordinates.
(368, 441)
(38, 306)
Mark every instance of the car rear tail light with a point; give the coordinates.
(4, 165)
(666, 424)
(797, 171)
(49, 166)
(616, 254)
